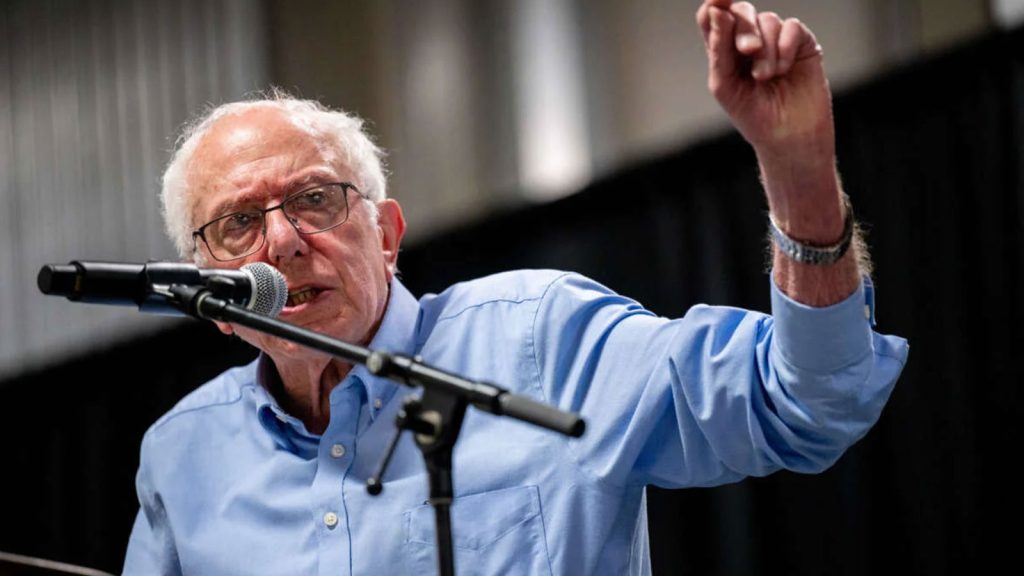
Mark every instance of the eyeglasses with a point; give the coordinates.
(310, 211)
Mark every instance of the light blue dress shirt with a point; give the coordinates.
(231, 484)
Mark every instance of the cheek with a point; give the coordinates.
(362, 267)
(366, 290)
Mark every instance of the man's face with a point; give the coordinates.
(338, 280)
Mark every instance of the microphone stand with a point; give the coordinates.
(435, 419)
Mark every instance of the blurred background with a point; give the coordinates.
(515, 129)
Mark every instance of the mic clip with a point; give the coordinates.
(187, 298)
(221, 287)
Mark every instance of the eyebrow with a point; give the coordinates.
(243, 199)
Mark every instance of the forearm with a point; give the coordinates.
(807, 203)
(768, 75)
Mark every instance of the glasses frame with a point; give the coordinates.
(200, 233)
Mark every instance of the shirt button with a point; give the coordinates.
(337, 450)
(331, 519)
(377, 403)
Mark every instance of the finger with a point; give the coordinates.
(789, 42)
(704, 16)
(704, 22)
(748, 36)
(765, 62)
(796, 42)
(721, 53)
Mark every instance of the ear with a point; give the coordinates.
(390, 229)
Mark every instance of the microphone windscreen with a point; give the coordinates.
(270, 289)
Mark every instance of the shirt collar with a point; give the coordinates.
(396, 334)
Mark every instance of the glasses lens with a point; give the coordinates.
(317, 209)
(235, 235)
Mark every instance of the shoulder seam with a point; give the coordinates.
(174, 414)
(469, 307)
(533, 332)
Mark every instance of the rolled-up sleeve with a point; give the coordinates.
(831, 375)
(717, 395)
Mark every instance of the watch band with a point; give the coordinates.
(815, 255)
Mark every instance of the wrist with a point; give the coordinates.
(816, 281)
(811, 251)
(805, 199)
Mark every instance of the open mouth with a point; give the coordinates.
(302, 296)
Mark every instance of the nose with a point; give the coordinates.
(283, 241)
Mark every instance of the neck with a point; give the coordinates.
(307, 382)
(307, 389)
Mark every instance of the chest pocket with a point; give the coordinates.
(498, 532)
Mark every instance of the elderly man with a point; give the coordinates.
(262, 470)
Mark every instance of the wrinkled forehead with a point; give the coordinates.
(259, 140)
(258, 151)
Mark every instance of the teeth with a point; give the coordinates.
(302, 296)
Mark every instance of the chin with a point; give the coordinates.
(284, 350)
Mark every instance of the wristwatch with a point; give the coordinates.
(816, 255)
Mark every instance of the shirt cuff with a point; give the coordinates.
(821, 339)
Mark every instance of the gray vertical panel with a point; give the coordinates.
(247, 60)
(64, 196)
(195, 81)
(106, 221)
(8, 336)
(90, 186)
(29, 85)
(212, 27)
(90, 95)
(142, 198)
(45, 224)
(171, 73)
(127, 122)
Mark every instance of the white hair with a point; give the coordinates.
(339, 133)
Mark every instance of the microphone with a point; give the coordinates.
(258, 287)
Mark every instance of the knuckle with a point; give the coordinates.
(745, 10)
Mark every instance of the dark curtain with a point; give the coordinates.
(931, 157)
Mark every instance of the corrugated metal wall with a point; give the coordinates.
(91, 94)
